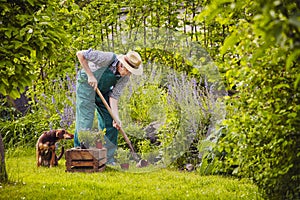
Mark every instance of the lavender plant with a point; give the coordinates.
(198, 113)
(57, 104)
(187, 110)
(51, 106)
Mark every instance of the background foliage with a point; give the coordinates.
(261, 58)
(255, 44)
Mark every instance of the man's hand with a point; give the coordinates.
(84, 63)
(92, 82)
(117, 125)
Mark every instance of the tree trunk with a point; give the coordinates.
(3, 173)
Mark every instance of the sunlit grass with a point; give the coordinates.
(29, 182)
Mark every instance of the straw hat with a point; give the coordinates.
(132, 61)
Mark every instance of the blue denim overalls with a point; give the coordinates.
(85, 107)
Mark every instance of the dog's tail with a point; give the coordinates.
(61, 153)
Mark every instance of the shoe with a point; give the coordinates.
(113, 164)
(83, 145)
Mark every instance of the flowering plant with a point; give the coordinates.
(99, 137)
(123, 155)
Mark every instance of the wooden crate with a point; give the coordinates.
(85, 160)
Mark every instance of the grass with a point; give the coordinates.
(29, 182)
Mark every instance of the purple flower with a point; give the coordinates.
(53, 99)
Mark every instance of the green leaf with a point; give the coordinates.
(28, 36)
(291, 58)
(31, 2)
(14, 93)
(295, 20)
(292, 115)
(44, 23)
(47, 18)
(281, 86)
(17, 44)
(229, 42)
(2, 90)
(297, 82)
(8, 33)
(5, 81)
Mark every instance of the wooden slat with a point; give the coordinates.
(82, 164)
(85, 160)
(86, 154)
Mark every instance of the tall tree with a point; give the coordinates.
(3, 173)
(30, 33)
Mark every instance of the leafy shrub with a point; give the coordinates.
(52, 109)
(147, 103)
(261, 56)
(186, 111)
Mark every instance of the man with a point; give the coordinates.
(110, 73)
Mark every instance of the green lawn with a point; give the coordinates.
(29, 182)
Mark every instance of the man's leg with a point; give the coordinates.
(111, 135)
(85, 109)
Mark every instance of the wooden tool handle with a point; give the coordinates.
(115, 119)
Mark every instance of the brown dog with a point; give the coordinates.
(45, 147)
